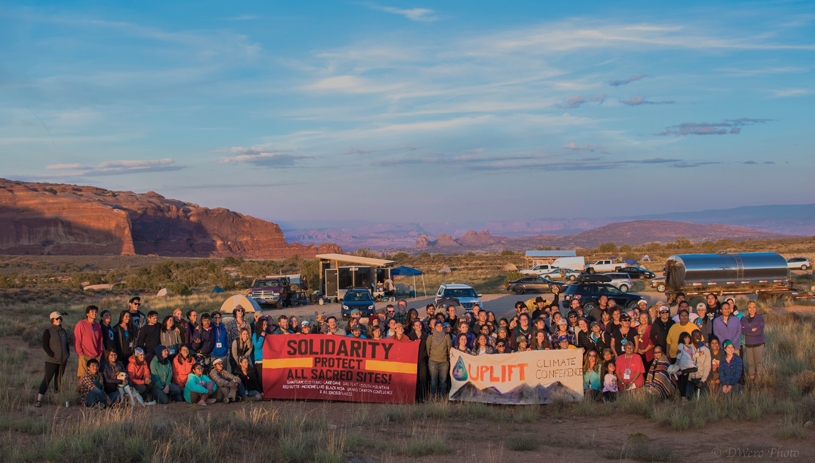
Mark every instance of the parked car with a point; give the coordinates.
(799, 263)
(604, 266)
(539, 269)
(561, 274)
(270, 291)
(465, 294)
(533, 284)
(658, 283)
(588, 293)
(638, 273)
(359, 299)
(621, 280)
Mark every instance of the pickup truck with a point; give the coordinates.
(270, 291)
(539, 269)
(605, 266)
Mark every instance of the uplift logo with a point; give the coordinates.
(463, 371)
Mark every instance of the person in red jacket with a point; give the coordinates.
(138, 372)
(88, 341)
(182, 366)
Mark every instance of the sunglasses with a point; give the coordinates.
(58, 318)
(136, 303)
(592, 356)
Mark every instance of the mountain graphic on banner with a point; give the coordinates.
(523, 394)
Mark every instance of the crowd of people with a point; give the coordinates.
(199, 359)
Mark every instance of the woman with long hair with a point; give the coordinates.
(592, 379)
(644, 345)
(540, 341)
(170, 335)
(241, 348)
(182, 366)
(258, 338)
(658, 383)
(482, 345)
(124, 336)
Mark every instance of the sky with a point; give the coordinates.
(415, 111)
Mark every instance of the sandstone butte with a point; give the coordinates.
(41, 218)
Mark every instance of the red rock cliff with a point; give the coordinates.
(40, 218)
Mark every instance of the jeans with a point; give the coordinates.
(753, 357)
(176, 394)
(145, 389)
(438, 377)
(97, 396)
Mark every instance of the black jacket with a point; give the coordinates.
(124, 340)
(659, 332)
(422, 346)
(149, 338)
(55, 344)
(108, 337)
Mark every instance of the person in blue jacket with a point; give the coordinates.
(200, 388)
(730, 369)
(258, 338)
(220, 347)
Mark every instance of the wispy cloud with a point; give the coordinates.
(414, 14)
(243, 17)
(114, 168)
(755, 72)
(577, 101)
(262, 157)
(640, 100)
(728, 126)
(356, 151)
(786, 92)
(349, 84)
(618, 82)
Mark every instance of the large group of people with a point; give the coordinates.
(662, 349)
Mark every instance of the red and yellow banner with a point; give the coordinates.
(323, 367)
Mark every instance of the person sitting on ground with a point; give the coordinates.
(610, 379)
(230, 388)
(182, 366)
(658, 383)
(57, 350)
(701, 357)
(242, 347)
(112, 370)
(203, 340)
(161, 372)
(730, 368)
(91, 388)
(592, 381)
(138, 375)
(249, 379)
(716, 356)
(199, 388)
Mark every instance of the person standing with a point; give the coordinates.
(418, 334)
(726, 327)
(220, 349)
(55, 346)
(150, 336)
(684, 326)
(401, 312)
(137, 317)
(644, 346)
(203, 341)
(258, 338)
(170, 336)
(661, 327)
(704, 322)
(438, 353)
(701, 357)
(188, 327)
(108, 334)
(233, 328)
(88, 341)
(752, 327)
(125, 336)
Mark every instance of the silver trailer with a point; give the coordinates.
(762, 273)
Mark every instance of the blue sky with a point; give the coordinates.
(401, 111)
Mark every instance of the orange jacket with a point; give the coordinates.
(182, 369)
(135, 372)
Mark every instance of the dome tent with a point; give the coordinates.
(164, 292)
(248, 304)
(445, 269)
(510, 267)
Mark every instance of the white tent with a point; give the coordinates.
(510, 267)
(445, 269)
(164, 292)
(646, 258)
(248, 304)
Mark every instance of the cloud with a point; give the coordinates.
(414, 14)
(573, 146)
(114, 168)
(754, 72)
(243, 17)
(769, 162)
(728, 126)
(640, 100)
(262, 157)
(349, 84)
(782, 93)
(750, 163)
(577, 101)
(356, 151)
(617, 83)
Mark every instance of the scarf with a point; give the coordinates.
(438, 337)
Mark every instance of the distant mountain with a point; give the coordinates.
(523, 394)
(43, 218)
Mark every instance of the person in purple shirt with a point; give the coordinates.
(752, 326)
(726, 327)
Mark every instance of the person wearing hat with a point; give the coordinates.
(684, 305)
(138, 374)
(572, 317)
(137, 317)
(356, 315)
(161, 373)
(520, 341)
(57, 350)
(562, 330)
(564, 342)
(661, 326)
(730, 368)
(356, 332)
(703, 322)
(88, 342)
(230, 388)
(623, 336)
(540, 307)
(597, 339)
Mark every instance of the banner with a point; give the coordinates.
(323, 367)
(532, 377)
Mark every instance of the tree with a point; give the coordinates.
(507, 252)
(625, 248)
(709, 247)
(401, 255)
(424, 254)
(607, 248)
(683, 243)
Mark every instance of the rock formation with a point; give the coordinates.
(41, 218)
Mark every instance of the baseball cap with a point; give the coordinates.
(562, 338)
(642, 301)
(217, 361)
(354, 312)
(305, 323)
(356, 327)
(138, 351)
(701, 305)
(520, 339)
(664, 308)
(562, 321)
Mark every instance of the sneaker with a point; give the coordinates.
(211, 401)
(202, 403)
(152, 402)
(226, 401)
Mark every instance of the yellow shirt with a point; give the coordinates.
(673, 336)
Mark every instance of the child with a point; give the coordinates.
(610, 383)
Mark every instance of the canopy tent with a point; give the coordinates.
(445, 269)
(631, 262)
(510, 267)
(217, 290)
(646, 258)
(409, 272)
(248, 304)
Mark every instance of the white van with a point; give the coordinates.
(574, 263)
